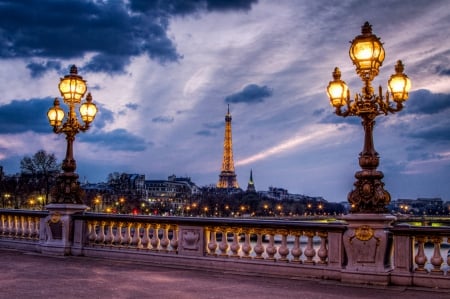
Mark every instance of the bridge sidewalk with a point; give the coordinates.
(32, 275)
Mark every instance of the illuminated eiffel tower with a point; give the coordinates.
(227, 177)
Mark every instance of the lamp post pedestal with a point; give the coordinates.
(57, 228)
(367, 243)
(67, 189)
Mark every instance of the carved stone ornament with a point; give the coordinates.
(364, 233)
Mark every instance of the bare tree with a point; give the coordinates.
(42, 168)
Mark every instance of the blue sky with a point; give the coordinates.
(163, 72)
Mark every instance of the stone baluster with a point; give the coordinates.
(310, 252)
(145, 241)
(212, 244)
(223, 245)
(101, 233)
(322, 253)
(155, 238)
(420, 259)
(283, 250)
(165, 239)
(21, 232)
(28, 227)
(136, 239)
(174, 240)
(126, 240)
(109, 238)
(436, 260)
(92, 231)
(8, 230)
(37, 227)
(17, 227)
(296, 249)
(118, 237)
(235, 244)
(259, 248)
(2, 224)
(271, 249)
(246, 247)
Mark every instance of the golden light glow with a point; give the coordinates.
(55, 114)
(88, 110)
(367, 53)
(399, 84)
(337, 90)
(72, 86)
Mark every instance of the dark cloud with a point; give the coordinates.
(251, 93)
(436, 133)
(103, 117)
(186, 7)
(132, 106)
(31, 115)
(38, 69)
(443, 71)
(332, 118)
(205, 133)
(424, 102)
(25, 115)
(163, 119)
(117, 140)
(52, 30)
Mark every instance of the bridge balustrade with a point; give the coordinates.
(282, 248)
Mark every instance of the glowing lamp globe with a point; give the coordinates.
(399, 84)
(88, 110)
(55, 114)
(337, 90)
(367, 53)
(72, 86)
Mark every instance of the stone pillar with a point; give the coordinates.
(57, 229)
(368, 246)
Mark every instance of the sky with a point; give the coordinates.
(163, 72)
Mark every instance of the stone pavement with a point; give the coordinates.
(32, 275)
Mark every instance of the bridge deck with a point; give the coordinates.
(32, 275)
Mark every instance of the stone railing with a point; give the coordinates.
(21, 228)
(338, 250)
(419, 258)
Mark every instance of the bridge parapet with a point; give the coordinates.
(282, 248)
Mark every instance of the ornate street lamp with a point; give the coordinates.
(367, 54)
(73, 89)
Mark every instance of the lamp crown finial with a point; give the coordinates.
(399, 67)
(366, 29)
(73, 70)
(337, 74)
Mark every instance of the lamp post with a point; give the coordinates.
(367, 54)
(73, 89)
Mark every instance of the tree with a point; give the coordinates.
(42, 169)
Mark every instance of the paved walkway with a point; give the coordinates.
(32, 275)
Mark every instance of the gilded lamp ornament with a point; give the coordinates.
(367, 54)
(72, 88)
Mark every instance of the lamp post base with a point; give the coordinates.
(67, 189)
(57, 228)
(367, 243)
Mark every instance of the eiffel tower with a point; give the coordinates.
(227, 177)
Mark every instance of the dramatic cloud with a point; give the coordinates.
(38, 69)
(25, 115)
(72, 29)
(116, 140)
(425, 102)
(251, 93)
